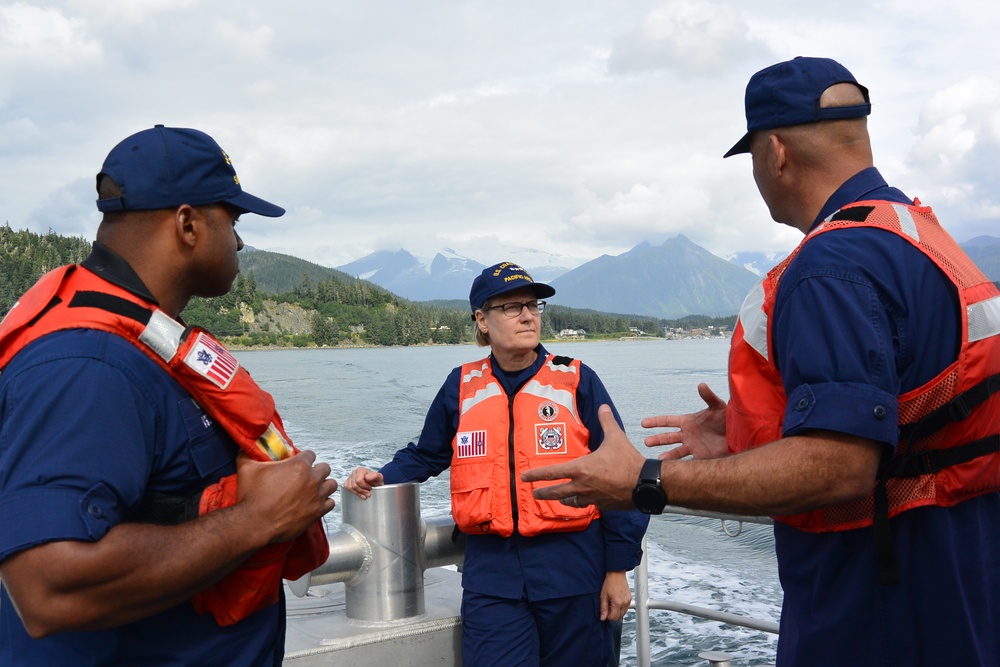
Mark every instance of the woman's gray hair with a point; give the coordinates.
(482, 339)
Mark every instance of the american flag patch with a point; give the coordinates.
(208, 357)
(471, 443)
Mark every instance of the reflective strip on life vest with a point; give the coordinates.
(162, 334)
(559, 396)
(984, 319)
(486, 393)
(754, 319)
(562, 368)
(474, 374)
(906, 223)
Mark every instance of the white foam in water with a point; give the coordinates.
(719, 574)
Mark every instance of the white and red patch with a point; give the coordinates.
(470, 444)
(209, 358)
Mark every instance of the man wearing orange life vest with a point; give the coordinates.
(862, 411)
(152, 499)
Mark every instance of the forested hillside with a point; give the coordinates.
(277, 273)
(323, 307)
(337, 312)
(26, 256)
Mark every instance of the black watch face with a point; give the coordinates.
(649, 498)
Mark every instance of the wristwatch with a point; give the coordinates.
(648, 496)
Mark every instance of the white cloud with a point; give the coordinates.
(19, 134)
(687, 36)
(251, 42)
(129, 13)
(44, 38)
(955, 120)
(956, 152)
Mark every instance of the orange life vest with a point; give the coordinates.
(499, 437)
(73, 297)
(947, 450)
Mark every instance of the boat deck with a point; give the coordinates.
(319, 632)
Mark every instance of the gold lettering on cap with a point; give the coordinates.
(506, 265)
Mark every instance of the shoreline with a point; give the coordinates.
(621, 339)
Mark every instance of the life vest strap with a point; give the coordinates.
(885, 551)
(914, 465)
(957, 409)
(935, 460)
(55, 301)
(162, 334)
(112, 304)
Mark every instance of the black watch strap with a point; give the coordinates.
(648, 495)
(650, 473)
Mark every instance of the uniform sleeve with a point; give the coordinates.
(431, 454)
(622, 530)
(77, 442)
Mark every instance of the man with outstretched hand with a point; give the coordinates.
(862, 411)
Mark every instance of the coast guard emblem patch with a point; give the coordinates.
(548, 411)
(470, 444)
(550, 438)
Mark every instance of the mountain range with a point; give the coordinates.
(669, 280)
(985, 252)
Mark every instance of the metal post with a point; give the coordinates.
(642, 639)
(391, 585)
(717, 658)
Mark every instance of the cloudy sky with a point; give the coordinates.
(575, 127)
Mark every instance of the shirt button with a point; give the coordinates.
(802, 404)
(96, 511)
(879, 412)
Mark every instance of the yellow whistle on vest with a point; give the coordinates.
(273, 445)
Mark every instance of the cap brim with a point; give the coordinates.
(251, 204)
(741, 146)
(543, 291)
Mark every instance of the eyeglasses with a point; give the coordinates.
(513, 309)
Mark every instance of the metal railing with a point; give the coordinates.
(643, 604)
(383, 547)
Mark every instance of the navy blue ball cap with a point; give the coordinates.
(165, 167)
(788, 94)
(501, 278)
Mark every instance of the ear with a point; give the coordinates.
(777, 154)
(188, 224)
(481, 321)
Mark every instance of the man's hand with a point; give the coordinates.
(604, 478)
(700, 434)
(287, 495)
(362, 480)
(137, 569)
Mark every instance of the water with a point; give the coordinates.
(357, 407)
